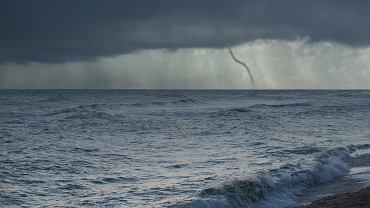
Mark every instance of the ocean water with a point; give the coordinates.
(181, 149)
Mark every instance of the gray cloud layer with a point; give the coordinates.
(74, 30)
(277, 65)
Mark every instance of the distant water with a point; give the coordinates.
(180, 149)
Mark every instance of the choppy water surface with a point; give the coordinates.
(181, 148)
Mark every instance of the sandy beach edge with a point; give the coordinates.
(360, 198)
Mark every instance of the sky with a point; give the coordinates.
(182, 44)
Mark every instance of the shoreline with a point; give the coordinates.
(360, 198)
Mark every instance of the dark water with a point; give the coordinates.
(169, 148)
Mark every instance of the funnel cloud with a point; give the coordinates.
(244, 65)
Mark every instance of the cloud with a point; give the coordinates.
(84, 30)
(302, 65)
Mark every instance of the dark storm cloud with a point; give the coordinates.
(71, 30)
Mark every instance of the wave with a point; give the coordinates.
(280, 105)
(76, 109)
(285, 182)
(177, 102)
(149, 104)
(231, 112)
(240, 110)
(83, 114)
(185, 101)
(170, 95)
(110, 180)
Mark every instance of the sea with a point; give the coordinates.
(181, 148)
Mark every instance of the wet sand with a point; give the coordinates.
(359, 198)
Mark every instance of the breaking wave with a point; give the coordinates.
(286, 181)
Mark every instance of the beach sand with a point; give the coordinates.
(359, 198)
